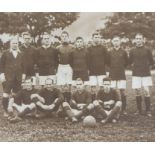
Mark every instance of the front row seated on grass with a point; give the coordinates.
(75, 105)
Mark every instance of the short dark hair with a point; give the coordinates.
(50, 80)
(77, 38)
(116, 36)
(95, 34)
(140, 34)
(26, 34)
(46, 33)
(79, 79)
(107, 79)
(65, 32)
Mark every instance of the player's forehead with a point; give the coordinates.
(117, 38)
(26, 36)
(79, 40)
(14, 40)
(79, 83)
(139, 36)
(49, 82)
(106, 82)
(46, 36)
(29, 83)
(65, 35)
(96, 36)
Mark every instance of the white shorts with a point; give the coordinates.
(42, 79)
(64, 74)
(96, 80)
(108, 112)
(139, 82)
(120, 84)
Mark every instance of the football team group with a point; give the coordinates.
(73, 80)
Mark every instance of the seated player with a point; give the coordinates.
(107, 104)
(24, 101)
(50, 99)
(79, 100)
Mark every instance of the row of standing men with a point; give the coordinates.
(65, 64)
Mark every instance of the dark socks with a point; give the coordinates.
(123, 97)
(101, 111)
(68, 112)
(139, 103)
(147, 103)
(5, 103)
(113, 113)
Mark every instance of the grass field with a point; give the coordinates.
(129, 128)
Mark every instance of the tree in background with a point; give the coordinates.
(35, 22)
(128, 23)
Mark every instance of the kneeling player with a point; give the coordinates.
(50, 99)
(24, 101)
(79, 100)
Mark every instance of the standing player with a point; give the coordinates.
(141, 60)
(79, 60)
(28, 54)
(11, 69)
(118, 60)
(97, 60)
(64, 74)
(46, 59)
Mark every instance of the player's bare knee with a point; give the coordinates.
(32, 106)
(138, 92)
(5, 95)
(119, 104)
(146, 92)
(56, 100)
(96, 103)
(65, 104)
(90, 106)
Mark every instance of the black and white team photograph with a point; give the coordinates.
(77, 76)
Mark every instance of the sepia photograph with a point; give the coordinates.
(77, 76)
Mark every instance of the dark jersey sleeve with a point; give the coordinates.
(56, 60)
(126, 59)
(18, 99)
(130, 58)
(88, 98)
(115, 95)
(108, 60)
(99, 95)
(59, 95)
(2, 63)
(150, 57)
(71, 59)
